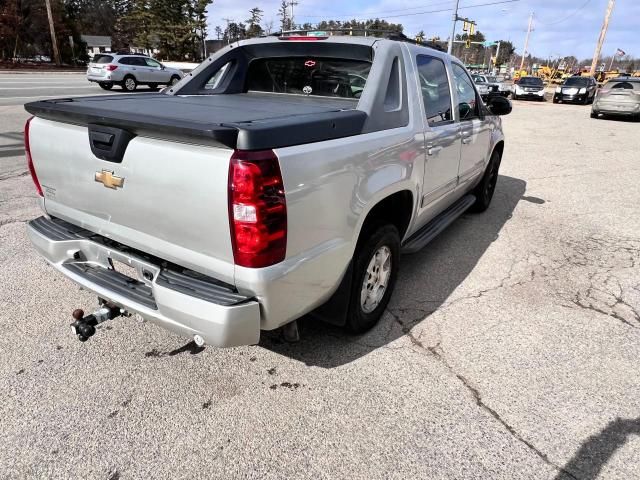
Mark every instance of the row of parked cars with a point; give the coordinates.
(617, 97)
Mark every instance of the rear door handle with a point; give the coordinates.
(433, 149)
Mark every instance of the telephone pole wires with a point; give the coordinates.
(603, 34)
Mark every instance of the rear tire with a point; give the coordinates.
(106, 85)
(484, 190)
(594, 115)
(129, 84)
(555, 100)
(375, 272)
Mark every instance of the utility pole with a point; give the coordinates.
(603, 34)
(54, 41)
(453, 29)
(291, 4)
(526, 41)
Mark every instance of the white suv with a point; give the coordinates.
(129, 71)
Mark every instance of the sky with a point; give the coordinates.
(561, 28)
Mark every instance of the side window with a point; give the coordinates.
(152, 63)
(139, 61)
(125, 61)
(434, 85)
(216, 78)
(467, 107)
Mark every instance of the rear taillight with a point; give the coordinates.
(27, 152)
(257, 209)
(111, 68)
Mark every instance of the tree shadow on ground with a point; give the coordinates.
(596, 451)
(425, 282)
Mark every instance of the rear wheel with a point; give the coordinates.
(594, 114)
(375, 262)
(555, 100)
(106, 85)
(484, 190)
(129, 84)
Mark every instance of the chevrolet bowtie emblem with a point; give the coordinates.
(108, 179)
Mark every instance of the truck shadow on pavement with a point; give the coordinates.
(596, 451)
(425, 281)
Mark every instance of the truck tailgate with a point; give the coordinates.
(172, 202)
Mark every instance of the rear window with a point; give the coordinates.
(325, 77)
(576, 82)
(535, 81)
(102, 58)
(624, 85)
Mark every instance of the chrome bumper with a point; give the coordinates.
(187, 304)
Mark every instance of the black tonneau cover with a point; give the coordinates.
(247, 121)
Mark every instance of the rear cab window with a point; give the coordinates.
(317, 76)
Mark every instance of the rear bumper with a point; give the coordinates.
(179, 302)
(110, 78)
(610, 108)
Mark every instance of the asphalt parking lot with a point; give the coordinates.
(510, 349)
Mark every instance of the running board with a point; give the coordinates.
(431, 230)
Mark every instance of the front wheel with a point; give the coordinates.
(376, 262)
(175, 79)
(106, 85)
(484, 190)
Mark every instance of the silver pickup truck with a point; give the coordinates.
(283, 177)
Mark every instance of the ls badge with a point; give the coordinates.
(108, 179)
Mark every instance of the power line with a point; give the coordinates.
(430, 11)
(567, 17)
(350, 15)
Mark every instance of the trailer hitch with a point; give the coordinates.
(85, 327)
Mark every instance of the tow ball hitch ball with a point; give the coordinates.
(85, 327)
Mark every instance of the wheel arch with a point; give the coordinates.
(384, 210)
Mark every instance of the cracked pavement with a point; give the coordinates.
(509, 349)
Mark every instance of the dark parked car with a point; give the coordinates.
(576, 89)
(529, 87)
(619, 96)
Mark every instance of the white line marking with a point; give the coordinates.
(45, 88)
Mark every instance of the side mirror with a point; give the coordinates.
(499, 105)
(162, 67)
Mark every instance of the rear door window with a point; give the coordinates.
(326, 77)
(436, 94)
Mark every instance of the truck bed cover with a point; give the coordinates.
(247, 121)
